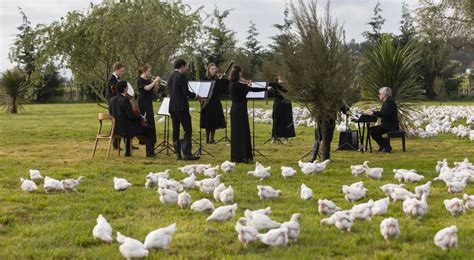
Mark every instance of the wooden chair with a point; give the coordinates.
(110, 136)
(398, 134)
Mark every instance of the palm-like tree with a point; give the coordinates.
(14, 85)
(387, 65)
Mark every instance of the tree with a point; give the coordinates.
(396, 67)
(15, 85)
(221, 39)
(254, 49)
(376, 24)
(316, 63)
(407, 28)
(133, 32)
(449, 20)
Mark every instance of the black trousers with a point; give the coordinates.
(326, 137)
(376, 133)
(141, 130)
(182, 118)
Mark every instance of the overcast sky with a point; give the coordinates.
(354, 14)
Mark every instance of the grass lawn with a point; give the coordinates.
(57, 139)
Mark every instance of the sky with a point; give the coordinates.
(353, 14)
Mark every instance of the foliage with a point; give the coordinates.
(14, 85)
(387, 65)
(376, 24)
(317, 65)
(133, 32)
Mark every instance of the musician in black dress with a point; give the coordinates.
(283, 126)
(212, 115)
(179, 110)
(127, 123)
(389, 115)
(146, 88)
(240, 145)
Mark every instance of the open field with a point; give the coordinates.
(57, 139)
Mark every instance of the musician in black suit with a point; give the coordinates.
(389, 115)
(127, 123)
(179, 110)
(119, 70)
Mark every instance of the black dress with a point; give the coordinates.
(212, 116)
(145, 104)
(282, 116)
(240, 145)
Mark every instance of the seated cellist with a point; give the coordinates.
(127, 123)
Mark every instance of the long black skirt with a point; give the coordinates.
(240, 145)
(212, 116)
(283, 125)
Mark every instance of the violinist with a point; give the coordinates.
(212, 115)
(119, 70)
(240, 145)
(127, 123)
(146, 88)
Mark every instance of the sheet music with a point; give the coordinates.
(201, 88)
(257, 95)
(165, 106)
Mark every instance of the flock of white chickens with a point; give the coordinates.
(257, 225)
(428, 121)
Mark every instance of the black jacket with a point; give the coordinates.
(111, 84)
(179, 92)
(389, 114)
(125, 120)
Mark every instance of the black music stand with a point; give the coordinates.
(253, 96)
(165, 145)
(202, 89)
(347, 145)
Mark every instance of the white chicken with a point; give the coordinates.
(188, 182)
(130, 247)
(35, 175)
(170, 184)
(260, 221)
(415, 208)
(223, 213)
(28, 185)
(260, 171)
(327, 207)
(51, 184)
(455, 206)
(202, 205)
(457, 186)
(309, 168)
(103, 230)
(160, 238)
(227, 195)
(423, 189)
(266, 211)
(184, 200)
(469, 201)
(246, 234)
(306, 193)
(267, 192)
(343, 220)
(373, 173)
(363, 211)
(353, 193)
(389, 228)
(446, 238)
(293, 226)
(121, 184)
(227, 167)
(287, 172)
(388, 188)
(168, 196)
(357, 170)
(380, 206)
(275, 237)
(212, 172)
(399, 194)
(71, 184)
(217, 191)
(208, 185)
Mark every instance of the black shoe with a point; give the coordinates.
(386, 150)
(151, 156)
(191, 158)
(380, 149)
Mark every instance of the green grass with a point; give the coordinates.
(57, 139)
